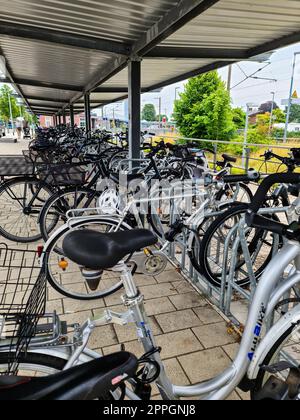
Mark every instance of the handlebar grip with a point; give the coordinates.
(234, 179)
(259, 198)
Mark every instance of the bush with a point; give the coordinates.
(254, 137)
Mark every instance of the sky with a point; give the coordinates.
(250, 91)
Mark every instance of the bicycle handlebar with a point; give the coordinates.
(257, 221)
(234, 179)
(259, 197)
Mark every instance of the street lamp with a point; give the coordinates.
(159, 107)
(290, 98)
(271, 116)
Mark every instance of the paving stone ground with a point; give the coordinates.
(193, 336)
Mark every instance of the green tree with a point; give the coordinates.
(279, 116)
(149, 113)
(204, 109)
(295, 113)
(30, 118)
(239, 118)
(5, 93)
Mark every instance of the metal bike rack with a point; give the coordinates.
(230, 291)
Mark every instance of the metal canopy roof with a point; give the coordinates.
(56, 51)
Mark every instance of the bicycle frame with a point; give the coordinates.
(250, 356)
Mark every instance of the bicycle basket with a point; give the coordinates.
(22, 302)
(63, 174)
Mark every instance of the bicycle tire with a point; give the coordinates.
(61, 213)
(204, 267)
(16, 202)
(55, 279)
(243, 186)
(263, 375)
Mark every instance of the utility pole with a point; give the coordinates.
(229, 77)
(271, 116)
(10, 111)
(290, 99)
(249, 106)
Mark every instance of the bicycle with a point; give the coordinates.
(66, 277)
(262, 365)
(261, 243)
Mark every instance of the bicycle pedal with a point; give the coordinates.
(278, 367)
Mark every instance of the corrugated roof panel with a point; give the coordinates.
(231, 24)
(239, 24)
(122, 20)
(104, 97)
(45, 62)
(47, 93)
(156, 71)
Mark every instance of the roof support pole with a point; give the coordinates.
(55, 120)
(64, 118)
(134, 109)
(72, 118)
(87, 111)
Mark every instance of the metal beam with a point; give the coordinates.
(45, 99)
(193, 73)
(63, 38)
(41, 106)
(275, 44)
(72, 117)
(87, 109)
(204, 69)
(198, 53)
(110, 70)
(116, 89)
(134, 109)
(48, 85)
(174, 20)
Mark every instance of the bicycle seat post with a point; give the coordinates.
(128, 282)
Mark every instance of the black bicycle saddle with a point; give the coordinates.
(100, 251)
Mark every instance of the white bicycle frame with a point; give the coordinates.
(251, 354)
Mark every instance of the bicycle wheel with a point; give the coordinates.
(34, 364)
(53, 214)
(211, 255)
(286, 348)
(42, 365)
(69, 280)
(21, 200)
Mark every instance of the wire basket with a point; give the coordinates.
(63, 174)
(22, 301)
